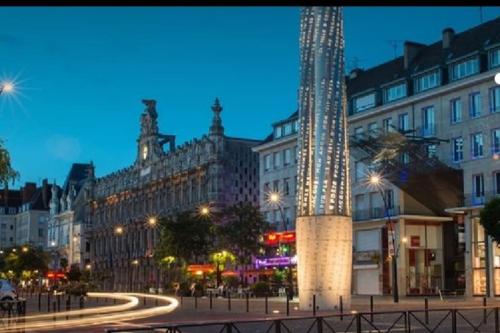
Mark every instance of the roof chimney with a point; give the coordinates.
(448, 35)
(410, 51)
(354, 73)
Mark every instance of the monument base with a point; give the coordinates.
(324, 261)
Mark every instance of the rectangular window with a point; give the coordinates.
(359, 172)
(277, 160)
(278, 132)
(372, 129)
(464, 69)
(395, 92)
(296, 153)
(286, 186)
(267, 162)
(495, 99)
(404, 122)
(287, 129)
(474, 105)
(495, 58)
(389, 197)
(496, 179)
(458, 149)
(428, 121)
(267, 188)
(363, 102)
(456, 110)
(405, 158)
(431, 151)
(495, 141)
(387, 125)
(427, 81)
(477, 145)
(478, 189)
(276, 186)
(288, 156)
(358, 133)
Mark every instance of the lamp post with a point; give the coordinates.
(376, 181)
(6, 87)
(274, 199)
(119, 231)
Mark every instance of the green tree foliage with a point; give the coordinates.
(7, 173)
(221, 260)
(490, 218)
(25, 259)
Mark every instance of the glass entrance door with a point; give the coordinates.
(424, 272)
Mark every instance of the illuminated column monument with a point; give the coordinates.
(324, 224)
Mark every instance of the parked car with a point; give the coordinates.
(7, 293)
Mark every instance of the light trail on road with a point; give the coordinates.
(95, 316)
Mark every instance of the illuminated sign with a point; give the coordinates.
(274, 238)
(56, 275)
(275, 261)
(200, 269)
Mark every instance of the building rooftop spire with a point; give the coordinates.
(216, 128)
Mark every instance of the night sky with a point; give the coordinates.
(81, 73)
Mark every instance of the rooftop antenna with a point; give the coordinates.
(394, 43)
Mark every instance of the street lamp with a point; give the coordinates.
(25, 249)
(376, 181)
(497, 78)
(6, 87)
(204, 211)
(152, 221)
(274, 199)
(119, 230)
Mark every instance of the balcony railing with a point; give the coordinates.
(374, 213)
(478, 199)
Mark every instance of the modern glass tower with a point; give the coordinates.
(324, 225)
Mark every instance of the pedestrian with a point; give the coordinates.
(193, 289)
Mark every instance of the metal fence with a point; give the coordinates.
(472, 319)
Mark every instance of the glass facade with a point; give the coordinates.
(478, 259)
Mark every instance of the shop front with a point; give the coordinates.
(366, 262)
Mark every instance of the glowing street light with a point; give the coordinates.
(88, 267)
(119, 230)
(1, 251)
(53, 243)
(497, 78)
(135, 262)
(204, 211)
(375, 179)
(152, 221)
(25, 249)
(6, 87)
(274, 199)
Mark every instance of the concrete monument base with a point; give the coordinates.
(324, 259)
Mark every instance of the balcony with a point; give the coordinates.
(374, 213)
(427, 131)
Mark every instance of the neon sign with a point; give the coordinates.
(275, 261)
(275, 238)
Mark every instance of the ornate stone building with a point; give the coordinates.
(214, 170)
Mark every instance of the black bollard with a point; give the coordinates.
(314, 305)
(248, 301)
(426, 306)
(39, 301)
(229, 301)
(371, 309)
(144, 301)
(182, 301)
(48, 301)
(195, 301)
(341, 303)
(210, 295)
(485, 315)
(58, 303)
(266, 301)
(287, 305)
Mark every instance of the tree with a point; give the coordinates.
(7, 173)
(74, 273)
(184, 237)
(490, 219)
(220, 260)
(241, 231)
(25, 258)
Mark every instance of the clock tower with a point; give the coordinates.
(149, 148)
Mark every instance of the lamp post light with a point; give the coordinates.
(376, 181)
(6, 87)
(497, 78)
(274, 199)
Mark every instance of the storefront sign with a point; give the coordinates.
(56, 275)
(275, 238)
(275, 261)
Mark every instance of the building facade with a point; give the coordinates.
(214, 170)
(66, 230)
(443, 91)
(24, 215)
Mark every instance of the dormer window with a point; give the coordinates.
(427, 81)
(465, 68)
(395, 92)
(278, 132)
(144, 152)
(364, 102)
(494, 56)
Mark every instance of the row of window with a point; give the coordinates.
(286, 129)
(426, 81)
(286, 187)
(280, 158)
(429, 114)
(478, 193)
(476, 146)
(274, 216)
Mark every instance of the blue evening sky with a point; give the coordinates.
(82, 72)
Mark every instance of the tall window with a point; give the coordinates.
(372, 128)
(495, 141)
(278, 132)
(479, 258)
(404, 122)
(456, 110)
(464, 68)
(277, 160)
(276, 186)
(387, 125)
(495, 99)
(296, 153)
(496, 180)
(458, 149)
(427, 81)
(431, 151)
(428, 121)
(389, 197)
(358, 133)
(286, 186)
(287, 129)
(395, 92)
(495, 58)
(474, 105)
(478, 189)
(288, 156)
(359, 172)
(267, 162)
(477, 145)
